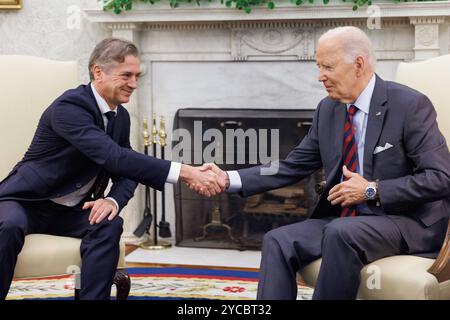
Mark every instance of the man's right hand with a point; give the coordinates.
(203, 180)
(222, 176)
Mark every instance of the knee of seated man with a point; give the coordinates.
(275, 236)
(115, 225)
(341, 228)
(9, 227)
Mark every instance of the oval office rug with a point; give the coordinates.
(152, 283)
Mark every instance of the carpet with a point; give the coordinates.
(153, 283)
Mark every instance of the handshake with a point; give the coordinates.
(207, 180)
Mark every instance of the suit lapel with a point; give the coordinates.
(340, 111)
(98, 114)
(377, 113)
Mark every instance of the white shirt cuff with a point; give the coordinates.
(174, 172)
(235, 181)
(115, 202)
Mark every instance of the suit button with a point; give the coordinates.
(378, 203)
(78, 185)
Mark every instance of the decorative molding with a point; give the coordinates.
(159, 26)
(124, 26)
(427, 20)
(279, 42)
(426, 34)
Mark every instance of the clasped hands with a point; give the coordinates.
(207, 180)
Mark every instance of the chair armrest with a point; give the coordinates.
(441, 267)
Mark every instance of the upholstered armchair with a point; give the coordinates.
(406, 276)
(29, 85)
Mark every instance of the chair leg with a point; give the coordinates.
(123, 284)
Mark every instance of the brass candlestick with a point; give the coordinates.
(145, 133)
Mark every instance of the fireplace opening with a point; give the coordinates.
(236, 139)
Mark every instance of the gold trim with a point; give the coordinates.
(10, 4)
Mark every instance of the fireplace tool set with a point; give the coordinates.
(148, 217)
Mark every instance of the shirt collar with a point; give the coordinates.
(102, 104)
(363, 101)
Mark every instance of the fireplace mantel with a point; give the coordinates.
(215, 57)
(215, 12)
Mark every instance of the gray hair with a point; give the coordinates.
(109, 50)
(353, 42)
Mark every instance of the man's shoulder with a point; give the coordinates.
(81, 92)
(395, 88)
(81, 96)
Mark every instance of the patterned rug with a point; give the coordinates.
(158, 283)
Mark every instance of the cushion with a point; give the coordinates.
(46, 255)
(401, 277)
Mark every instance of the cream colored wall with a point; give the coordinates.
(52, 29)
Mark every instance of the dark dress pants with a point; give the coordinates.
(345, 245)
(99, 246)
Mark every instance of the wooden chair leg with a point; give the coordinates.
(123, 284)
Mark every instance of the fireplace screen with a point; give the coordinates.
(236, 139)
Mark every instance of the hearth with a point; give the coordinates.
(236, 139)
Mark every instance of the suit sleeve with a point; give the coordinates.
(122, 189)
(76, 125)
(301, 162)
(427, 149)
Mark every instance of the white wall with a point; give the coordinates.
(53, 29)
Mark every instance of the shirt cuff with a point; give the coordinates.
(235, 181)
(115, 202)
(174, 172)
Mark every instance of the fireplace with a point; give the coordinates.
(236, 139)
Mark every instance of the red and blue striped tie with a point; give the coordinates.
(350, 154)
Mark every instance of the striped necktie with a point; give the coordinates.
(350, 154)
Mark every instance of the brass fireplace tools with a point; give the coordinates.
(164, 226)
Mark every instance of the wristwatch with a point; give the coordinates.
(371, 192)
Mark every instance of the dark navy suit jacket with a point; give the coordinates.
(414, 175)
(70, 147)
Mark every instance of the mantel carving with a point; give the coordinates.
(260, 43)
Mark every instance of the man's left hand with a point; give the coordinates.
(349, 192)
(100, 209)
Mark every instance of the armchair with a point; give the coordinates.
(407, 276)
(29, 85)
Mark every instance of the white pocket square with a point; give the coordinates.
(379, 149)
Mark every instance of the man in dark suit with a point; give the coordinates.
(387, 169)
(81, 142)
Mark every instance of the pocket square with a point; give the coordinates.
(379, 149)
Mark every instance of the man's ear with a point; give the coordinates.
(360, 65)
(97, 72)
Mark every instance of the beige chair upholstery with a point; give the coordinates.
(410, 277)
(29, 85)
(44, 255)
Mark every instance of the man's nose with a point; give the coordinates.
(321, 77)
(132, 83)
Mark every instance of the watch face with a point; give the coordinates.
(370, 193)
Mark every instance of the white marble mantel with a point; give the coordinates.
(209, 12)
(215, 57)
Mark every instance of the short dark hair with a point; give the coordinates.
(111, 49)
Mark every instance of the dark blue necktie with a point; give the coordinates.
(102, 178)
(111, 119)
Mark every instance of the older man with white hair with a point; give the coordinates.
(387, 169)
